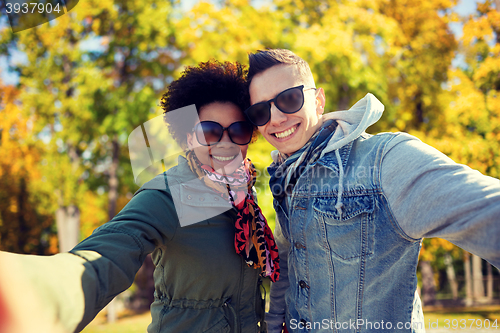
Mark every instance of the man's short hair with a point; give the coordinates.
(262, 60)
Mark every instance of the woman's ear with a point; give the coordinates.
(190, 138)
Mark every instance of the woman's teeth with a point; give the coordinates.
(223, 158)
(286, 133)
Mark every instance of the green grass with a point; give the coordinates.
(139, 323)
(128, 324)
(464, 319)
(463, 315)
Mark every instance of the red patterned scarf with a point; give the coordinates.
(253, 239)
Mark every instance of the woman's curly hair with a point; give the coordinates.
(209, 82)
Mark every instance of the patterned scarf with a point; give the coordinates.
(253, 239)
(286, 171)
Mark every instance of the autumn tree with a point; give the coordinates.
(87, 99)
(25, 226)
(468, 128)
(90, 78)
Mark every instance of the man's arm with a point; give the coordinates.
(432, 196)
(276, 315)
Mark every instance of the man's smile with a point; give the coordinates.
(286, 133)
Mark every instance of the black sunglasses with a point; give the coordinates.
(209, 132)
(288, 101)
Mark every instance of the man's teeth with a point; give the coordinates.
(286, 133)
(223, 158)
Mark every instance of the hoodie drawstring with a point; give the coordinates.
(341, 184)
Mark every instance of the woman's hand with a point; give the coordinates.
(26, 291)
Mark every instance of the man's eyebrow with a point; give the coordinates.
(268, 99)
(263, 100)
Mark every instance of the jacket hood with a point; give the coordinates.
(353, 122)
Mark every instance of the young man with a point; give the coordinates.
(352, 208)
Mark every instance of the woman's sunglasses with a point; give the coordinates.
(288, 101)
(210, 133)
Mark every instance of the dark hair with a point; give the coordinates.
(207, 83)
(263, 60)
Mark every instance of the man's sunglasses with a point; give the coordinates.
(288, 101)
(210, 133)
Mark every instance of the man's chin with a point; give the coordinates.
(286, 149)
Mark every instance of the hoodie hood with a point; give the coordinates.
(350, 125)
(353, 122)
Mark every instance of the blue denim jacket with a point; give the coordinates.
(349, 270)
(354, 270)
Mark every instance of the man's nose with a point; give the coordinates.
(277, 117)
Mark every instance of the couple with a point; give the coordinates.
(351, 211)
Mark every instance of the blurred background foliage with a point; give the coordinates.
(86, 80)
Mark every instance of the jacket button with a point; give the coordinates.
(216, 199)
(189, 197)
(299, 245)
(303, 284)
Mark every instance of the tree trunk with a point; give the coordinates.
(450, 274)
(22, 228)
(477, 278)
(489, 283)
(68, 216)
(496, 29)
(428, 284)
(113, 179)
(112, 200)
(68, 227)
(419, 109)
(344, 97)
(468, 279)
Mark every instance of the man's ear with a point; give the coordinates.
(320, 101)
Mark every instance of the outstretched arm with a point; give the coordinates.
(69, 289)
(432, 196)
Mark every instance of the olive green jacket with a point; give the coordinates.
(201, 284)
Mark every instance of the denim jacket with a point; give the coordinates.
(354, 269)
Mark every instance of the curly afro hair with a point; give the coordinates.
(209, 82)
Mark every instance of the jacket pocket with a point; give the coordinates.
(348, 236)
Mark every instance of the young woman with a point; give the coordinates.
(200, 220)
